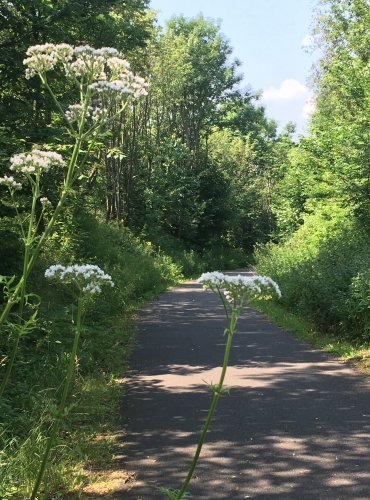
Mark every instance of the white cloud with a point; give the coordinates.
(289, 90)
(291, 101)
(307, 42)
(309, 107)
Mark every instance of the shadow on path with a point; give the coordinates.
(296, 424)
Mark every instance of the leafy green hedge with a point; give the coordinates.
(324, 273)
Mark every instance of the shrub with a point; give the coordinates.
(322, 271)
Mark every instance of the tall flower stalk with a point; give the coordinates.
(105, 85)
(85, 280)
(31, 166)
(234, 292)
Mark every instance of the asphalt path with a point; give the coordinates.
(296, 424)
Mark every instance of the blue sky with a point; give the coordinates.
(267, 36)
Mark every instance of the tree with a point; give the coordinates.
(192, 76)
(340, 130)
(24, 108)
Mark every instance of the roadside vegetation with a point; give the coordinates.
(319, 252)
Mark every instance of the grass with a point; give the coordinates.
(86, 443)
(349, 351)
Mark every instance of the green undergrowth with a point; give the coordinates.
(85, 445)
(323, 271)
(195, 260)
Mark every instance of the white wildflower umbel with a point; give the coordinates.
(75, 112)
(233, 291)
(10, 182)
(43, 58)
(36, 161)
(102, 70)
(88, 278)
(45, 202)
(237, 289)
(213, 279)
(54, 271)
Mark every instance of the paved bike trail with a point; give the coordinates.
(296, 424)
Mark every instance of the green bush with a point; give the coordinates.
(224, 258)
(357, 305)
(194, 261)
(322, 272)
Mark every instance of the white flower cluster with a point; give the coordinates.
(267, 283)
(96, 113)
(214, 278)
(10, 182)
(54, 271)
(103, 86)
(74, 113)
(45, 57)
(87, 63)
(118, 66)
(36, 161)
(121, 74)
(44, 201)
(239, 287)
(104, 70)
(127, 84)
(87, 277)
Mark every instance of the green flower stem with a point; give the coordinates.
(12, 300)
(20, 224)
(224, 303)
(9, 367)
(217, 391)
(27, 245)
(61, 409)
(22, 288)
(29, 260)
